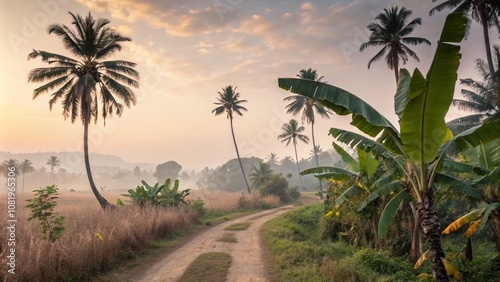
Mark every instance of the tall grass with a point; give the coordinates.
(96, 240)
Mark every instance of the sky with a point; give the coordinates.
(186, 51)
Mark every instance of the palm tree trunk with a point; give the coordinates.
(22, 189)
(396, 67)
(487, 44)
(238, 154)
(102, 201)
(297, 160)
(428, 218)
(316, 157)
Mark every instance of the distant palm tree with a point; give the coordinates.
(307, 106)
(486, 12)
(272, 158)
(6, 166)
(53, 162)
(391, 32)
(9, 163)
(315, 152)
(292, 132)
(26, 167)
(88, 82)
(482, 100)
(260, 175)
(228, 103)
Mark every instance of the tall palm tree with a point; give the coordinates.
(308, 107)
(89, 80)
(53, 162)
(485, 12)
(260, 175)
(228, 103)
(292, 132)
(482, 100)
(26, 167)
(392, 33)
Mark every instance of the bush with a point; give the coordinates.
(278, 186)
(158, 195)
(199, 206)
(42, 208)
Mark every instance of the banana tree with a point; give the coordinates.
(485, 157)
(421, 104)
(360, 174)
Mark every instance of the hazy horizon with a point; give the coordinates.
(187, 51)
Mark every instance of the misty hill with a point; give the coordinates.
(74, 162)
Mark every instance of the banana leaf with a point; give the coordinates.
(389, 213)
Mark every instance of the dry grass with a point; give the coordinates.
(81, 254)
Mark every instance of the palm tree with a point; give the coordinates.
(53, 162)
(317, 150)
(292, 132)
(485, 12)
(7, 164)
(308, 107)
(88, 81)
(26, 168)
(272, 159)
(228, 103)
(260, 175)
(482, 100)
(392, 33)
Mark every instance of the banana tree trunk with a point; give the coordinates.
(102, 201)
(239, 159)
(429, 221)
(316, 157)
(496, 222)
(415, 238)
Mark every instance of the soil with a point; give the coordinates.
(247, 256)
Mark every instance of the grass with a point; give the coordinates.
(238, 226)
(131, 236)
(211, 267)
(227, 238)
(296, 252)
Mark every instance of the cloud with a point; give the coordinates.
(171, 16)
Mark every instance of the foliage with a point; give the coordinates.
(260, 175)
(42, 209)
(166, 170)
(167, 194)
(277, 185)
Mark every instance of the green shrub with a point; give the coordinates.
(42, 209)
(199, 206)
(277, 185)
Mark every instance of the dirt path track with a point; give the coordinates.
(246, 253)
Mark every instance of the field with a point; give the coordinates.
(94, 240)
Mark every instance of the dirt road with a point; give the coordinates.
(246, 253)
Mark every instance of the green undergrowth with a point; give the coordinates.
(298, 253)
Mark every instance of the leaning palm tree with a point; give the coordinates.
(26, 167)
(53, 162)
(482, 100)
(486, 12)
(260, 175)
(292, 132)
(88, 81)
(228, 103)
(392, 33)
(308, 107)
